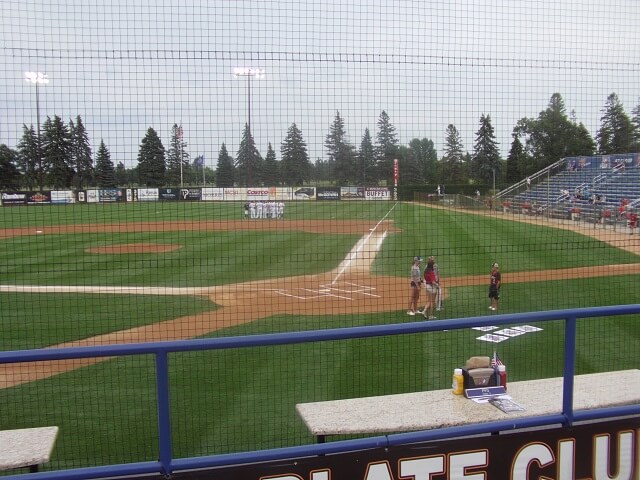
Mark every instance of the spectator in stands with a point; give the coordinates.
(623, 206)
(632, 219)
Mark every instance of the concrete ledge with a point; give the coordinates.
(441, 408)
(26, 447)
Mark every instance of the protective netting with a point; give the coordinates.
(175, 171)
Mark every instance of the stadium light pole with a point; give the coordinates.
(37, 78)
(249, 73)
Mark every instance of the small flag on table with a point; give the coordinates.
(495, 360)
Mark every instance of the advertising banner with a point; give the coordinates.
(62, 196)
(352, 193)
(235, 194)
(280, 193)
(81, 196)
(597, 450)
(92, 196)
(377, 193)
(38, 198)
(169, 193)
(212, 194)
(147, 194)
(109, 195)
(257, 193)
(328, 193)
(190, 194)
(14, 198)
(304, 193)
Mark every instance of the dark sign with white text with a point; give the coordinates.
(603, 450)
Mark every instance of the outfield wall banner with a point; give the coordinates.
(212, 194)
(38, 198)
(191, 194)
(328, 193)
(147, 194)
(598, 450)
(352, 193)
(169, 193)
(62, 196)
(14, 198)
(109, 195)
(92, 196)
(377, 193)
(304, 193)
(257, 193)
(235, 194)
(280, 193)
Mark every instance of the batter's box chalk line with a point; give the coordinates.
(342, 290)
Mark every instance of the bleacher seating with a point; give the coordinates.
(595, 190)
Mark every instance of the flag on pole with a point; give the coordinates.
(495, 360)
(199, 161)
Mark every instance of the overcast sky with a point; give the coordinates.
(125, 66)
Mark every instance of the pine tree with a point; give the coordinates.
(636, 128)
(105, 173)
(386, 148)
(9, 173)
(225, 170)
(271, 173)
(29, 159)
(151, 160)
(340, 153)
(248, 164)
(82, 160)
(58, 153)
(295, 165)
(485, 162)
(122, 176)
(453, 167)
(365, 174)
(617, 131)
(177, 158)
(516, 158)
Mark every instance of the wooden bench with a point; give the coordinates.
(441, 408)
(26, 447)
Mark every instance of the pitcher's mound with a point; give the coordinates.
(135, 248)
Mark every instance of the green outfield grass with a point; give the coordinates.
(228, 401)
(38, 320)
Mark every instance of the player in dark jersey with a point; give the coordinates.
(494, 286)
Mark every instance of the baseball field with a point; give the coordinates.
(139, 272)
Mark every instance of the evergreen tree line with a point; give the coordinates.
(61, 157)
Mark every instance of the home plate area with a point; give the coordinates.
(341, 290)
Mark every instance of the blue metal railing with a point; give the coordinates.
(166, 464)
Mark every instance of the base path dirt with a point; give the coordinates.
(350, 288)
